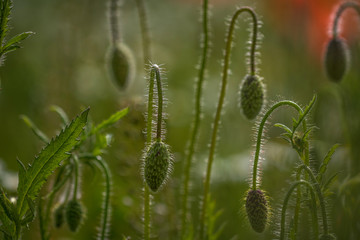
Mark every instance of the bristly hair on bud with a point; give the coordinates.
(336, 59)
(257, 209)
(251, 96)
(121, 65)
(157, 165)
(75, 214)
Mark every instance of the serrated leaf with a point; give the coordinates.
(5, 10)
(111, 120)
(48, 160)
(6, 206)
(302, 116)
(326, 161)
(330, 181)
(61, 113)
(17, 39)
(284, 127)
(42, 136)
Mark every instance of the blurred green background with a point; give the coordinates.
(64, 64)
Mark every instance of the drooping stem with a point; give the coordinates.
(147, 196)
(225, 73)
(197, 113)
(114, 22)
(106, 202)
(76, 177)
(146, 41)
(160, 102)
(340, 10)
(286, 201)
(260, 132)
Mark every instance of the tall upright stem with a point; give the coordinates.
(197, 114)
(114, 22)
(225, 73)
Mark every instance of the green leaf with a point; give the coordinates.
(304, 114)
(5, 10)
(42, 136)
(325, 162)
(111, 120)
(6, 206)
(284, 127)
(61, 113)
(48, 160)
(17, 39)
(330, 181)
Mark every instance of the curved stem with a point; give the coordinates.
(253, 42)
(260, 131)
(340, 10)
(114, 21)
(216, 123)
(160, 102)
(320, 196)
(106, 202)
(146, 42)
(76, 176)
(147, 197)
(286, 200)
(197, 114)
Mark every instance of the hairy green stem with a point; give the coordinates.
(114, 22)
(197, 114)
(225, 73)
(340, 10)
(260, 132)
(286, 200)
(160, 103)
(106, 202)
(146, 41)
(76, 176)
(320, 197)
(147, 196)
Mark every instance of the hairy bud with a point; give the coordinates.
(251, 96)
(121, 65)
(327, 237)
(157, 164)
(75, 213)
(257, 209)
(336, 59)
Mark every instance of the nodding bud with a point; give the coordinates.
(75, 213)
(327, 237)
(336, 59)
(157, 165)
(59, 215)
(251, 96)
(257, 209)
(121, 65)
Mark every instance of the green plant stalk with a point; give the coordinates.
(146, 41)
(225, 73)
(42, 224)
(76, 176)
(320, 196)
(286, 200)
(197, 114)
(106, 208)
(340, 10)
(114, 22)
(160, 104)
(260, 132)
(147, 197)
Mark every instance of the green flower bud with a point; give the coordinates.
(75, 214)
(121, 65)
(157, 165)
(336, 59)
(251, 96)
(257, 209)
(59, 215)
